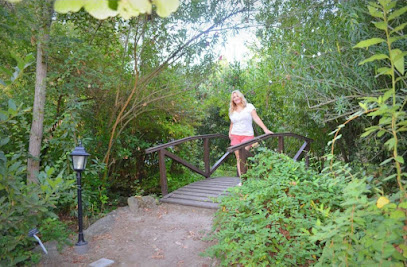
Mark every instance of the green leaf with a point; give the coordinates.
(398, 13)
(390, 5)
(398, 58)
(65, 6)
(381, 133)
(380, 25)
(397, 214)
(390, 143)
(373, 58)
(12, 105)
(403, 205)
(399, 28)
(384, 3)
(374, 12)
(396, 38)
(369, 42)
(370, 130)
(384, 71)
(113, 4)
(385, 120)
(400, 159)
(386, 161)
(363, 105)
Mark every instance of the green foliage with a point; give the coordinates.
(23, 206)
(361, 233)
(268, 219)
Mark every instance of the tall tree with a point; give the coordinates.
(44, 11)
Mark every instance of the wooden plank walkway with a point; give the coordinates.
(201, 193)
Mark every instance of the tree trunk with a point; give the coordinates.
(33, 164)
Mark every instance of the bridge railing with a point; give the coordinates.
(208, 170)
(163, 152)
(244, 154)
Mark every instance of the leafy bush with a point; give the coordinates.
(363, 232)
(267, 221)
(23, 206)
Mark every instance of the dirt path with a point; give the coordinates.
(170, 235)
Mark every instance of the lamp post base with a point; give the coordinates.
(81, 247)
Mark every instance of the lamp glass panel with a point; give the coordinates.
(79, 162)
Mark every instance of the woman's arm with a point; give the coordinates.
(259, 122)
(230, 128)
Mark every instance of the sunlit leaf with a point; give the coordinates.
(166, 7)
(399, 28)
(396, 38)
(397, 214)
(398, 13)
(363, 105)
(380, 25)
(381, 133)
(132, 8)
(13, 1)
(398, 57)
(65, 6)
(400, 159)
(390, 5)
(384, 2)
(387, 94)
(374, 12)
(390, 143)
(373, 58)
(382, 201)
(99, 9)
(369, 42)
(384, 71)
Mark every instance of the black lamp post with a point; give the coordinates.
(79, 158)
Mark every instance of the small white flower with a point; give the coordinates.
(312, 30)
(313, 56)
(304, 50)
(319, 53)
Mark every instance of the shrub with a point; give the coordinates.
(23, 206)
(268, 220)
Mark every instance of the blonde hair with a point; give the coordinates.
(233, 106)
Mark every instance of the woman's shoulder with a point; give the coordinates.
(250, 107)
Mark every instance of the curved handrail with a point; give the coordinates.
(243, 153)
(183, 140)
(266, 136)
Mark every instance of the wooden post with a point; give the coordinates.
(206, 157)
(242, 160)
(281, 144)
(307, 149)
(163, 172)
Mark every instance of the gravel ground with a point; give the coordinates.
(169, 235)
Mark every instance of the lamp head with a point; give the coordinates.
(79, 158)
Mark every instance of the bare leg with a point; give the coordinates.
(238, 161)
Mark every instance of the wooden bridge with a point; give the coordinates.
(204, 193)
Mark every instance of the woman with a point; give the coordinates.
(241, 115)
